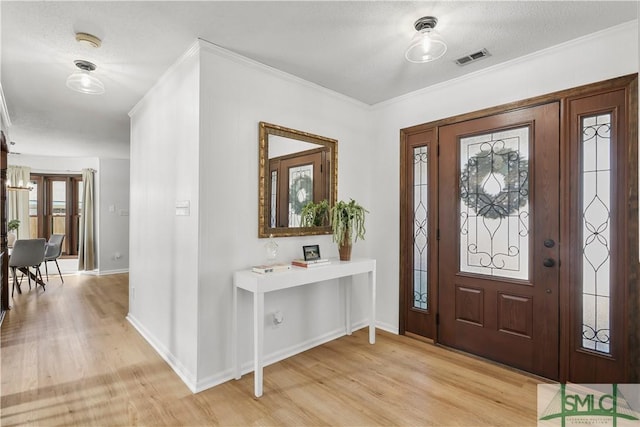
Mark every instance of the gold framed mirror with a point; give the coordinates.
(295, 168)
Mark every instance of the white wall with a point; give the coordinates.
(113, 213)
(194, 138)
(163, 279)
(562, 67)
(236, 94)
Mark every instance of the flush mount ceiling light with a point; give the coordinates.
(82, 81)
(425, 46)
(88, 40)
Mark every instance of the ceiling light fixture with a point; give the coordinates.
(88, 40)
(84, 82)
(425, 46)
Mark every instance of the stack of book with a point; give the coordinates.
(270, 268)
(309, 264)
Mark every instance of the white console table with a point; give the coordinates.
(259, 284)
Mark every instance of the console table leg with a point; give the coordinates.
(372, 315)
(258, 341)
(234, 335)
(346, 283)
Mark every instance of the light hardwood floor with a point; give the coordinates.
(69, 357)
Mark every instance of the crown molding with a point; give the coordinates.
(4, 114)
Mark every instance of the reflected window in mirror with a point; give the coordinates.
(295, 168)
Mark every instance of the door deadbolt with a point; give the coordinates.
(549, 243)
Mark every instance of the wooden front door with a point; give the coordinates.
(499, 232)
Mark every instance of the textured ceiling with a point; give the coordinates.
(355, 48)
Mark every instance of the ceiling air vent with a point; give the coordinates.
(472, 57)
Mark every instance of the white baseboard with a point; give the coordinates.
(247, 366)
(277, 356)
(98, 272)
(88, 272)
(388, 327)
(108, 272)
(174, 363)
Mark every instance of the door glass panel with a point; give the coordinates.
(274, 199)
(33, 210)
(300, 191)
(80, 195)
(596, 225)
(420, 226)
(59, 208)
(494, 204)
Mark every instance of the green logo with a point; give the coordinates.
(588, 405)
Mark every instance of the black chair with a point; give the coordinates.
(53, 252)
(27, 253)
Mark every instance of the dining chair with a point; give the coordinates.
(27, 253)
(52, 252)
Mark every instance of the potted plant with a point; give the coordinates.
(315, 214)
(347, 224)
(12, 226)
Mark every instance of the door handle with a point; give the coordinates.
(549, 262)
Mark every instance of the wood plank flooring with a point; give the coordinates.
(69, 357)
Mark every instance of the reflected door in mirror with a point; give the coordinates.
(296, 180)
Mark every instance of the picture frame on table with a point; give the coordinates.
(311, 252)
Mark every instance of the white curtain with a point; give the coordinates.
(18, 200)
(86, 249)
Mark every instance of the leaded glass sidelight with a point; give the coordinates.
(420, 226)
(274, 200)
(596, 226)
(494, 204)
(300, 191)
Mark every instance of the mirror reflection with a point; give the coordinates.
(296, 168)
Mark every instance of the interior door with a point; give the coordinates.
(499, 232)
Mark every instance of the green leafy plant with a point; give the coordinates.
(14, 224)
(347, 222)
(315, 214)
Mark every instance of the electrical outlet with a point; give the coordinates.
(278, 318)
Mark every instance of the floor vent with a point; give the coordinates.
(473, 57)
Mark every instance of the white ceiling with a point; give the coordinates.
(355, 48)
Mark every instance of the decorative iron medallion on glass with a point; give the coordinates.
(499, 169)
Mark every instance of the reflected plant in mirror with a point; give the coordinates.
(298, 177)
(315, 214)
